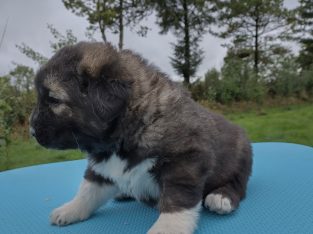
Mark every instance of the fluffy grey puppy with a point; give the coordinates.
(144, 135)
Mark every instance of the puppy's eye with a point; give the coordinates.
(53, 100)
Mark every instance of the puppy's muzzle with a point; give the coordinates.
(32, 118)
(32, 131)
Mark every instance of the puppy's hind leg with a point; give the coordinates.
(226, 198)
(91, 195)
(222, 200)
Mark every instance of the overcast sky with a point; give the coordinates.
(28, 19)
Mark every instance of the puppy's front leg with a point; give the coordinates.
(181, 221)
(180, 203)
(90, 196)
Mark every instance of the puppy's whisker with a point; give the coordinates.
(93, 111)
(75, 138)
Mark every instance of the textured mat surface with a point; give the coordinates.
(279, 198)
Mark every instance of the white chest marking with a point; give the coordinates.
(136, 182)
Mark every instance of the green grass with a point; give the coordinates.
(284, 124)
(293, 124)
(23, 153)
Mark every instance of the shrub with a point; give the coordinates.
(286, 80)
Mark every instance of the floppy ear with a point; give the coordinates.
(109, 97)
(97, 59)
(108, 87)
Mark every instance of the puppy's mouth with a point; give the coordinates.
(55, 141)
(52, 139)
(56, 145)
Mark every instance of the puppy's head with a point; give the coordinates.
(82, 91)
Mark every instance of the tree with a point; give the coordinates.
(37, 57)
(207, 89)
(189, 21)
(287, 81)
(9, 109)
(239, 81)
(7, 116)
(20, 93)
(303, 32)
(60, 41)
(4, 32)
(17, 98)
(23, 78)
(253, 23)
(113, 15)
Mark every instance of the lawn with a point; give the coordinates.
(23, 153)
(285, 124)
(293, 124)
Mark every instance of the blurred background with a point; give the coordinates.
(251, 60)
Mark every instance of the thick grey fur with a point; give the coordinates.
(119, 103)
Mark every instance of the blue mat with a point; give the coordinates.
(279, 198)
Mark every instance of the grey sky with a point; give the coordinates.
(28, 19)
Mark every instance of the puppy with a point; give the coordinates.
(144, 136)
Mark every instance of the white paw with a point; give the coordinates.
(218, 203)
(158, 229)
(182, 222)
(68, 213)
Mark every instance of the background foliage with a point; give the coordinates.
(260, 72)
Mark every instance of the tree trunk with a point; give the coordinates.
(256, 42)
(101, 24)
(121, 26)
(102, 30)
(4, 31)
(187, 45)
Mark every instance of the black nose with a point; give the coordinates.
(32, 131)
